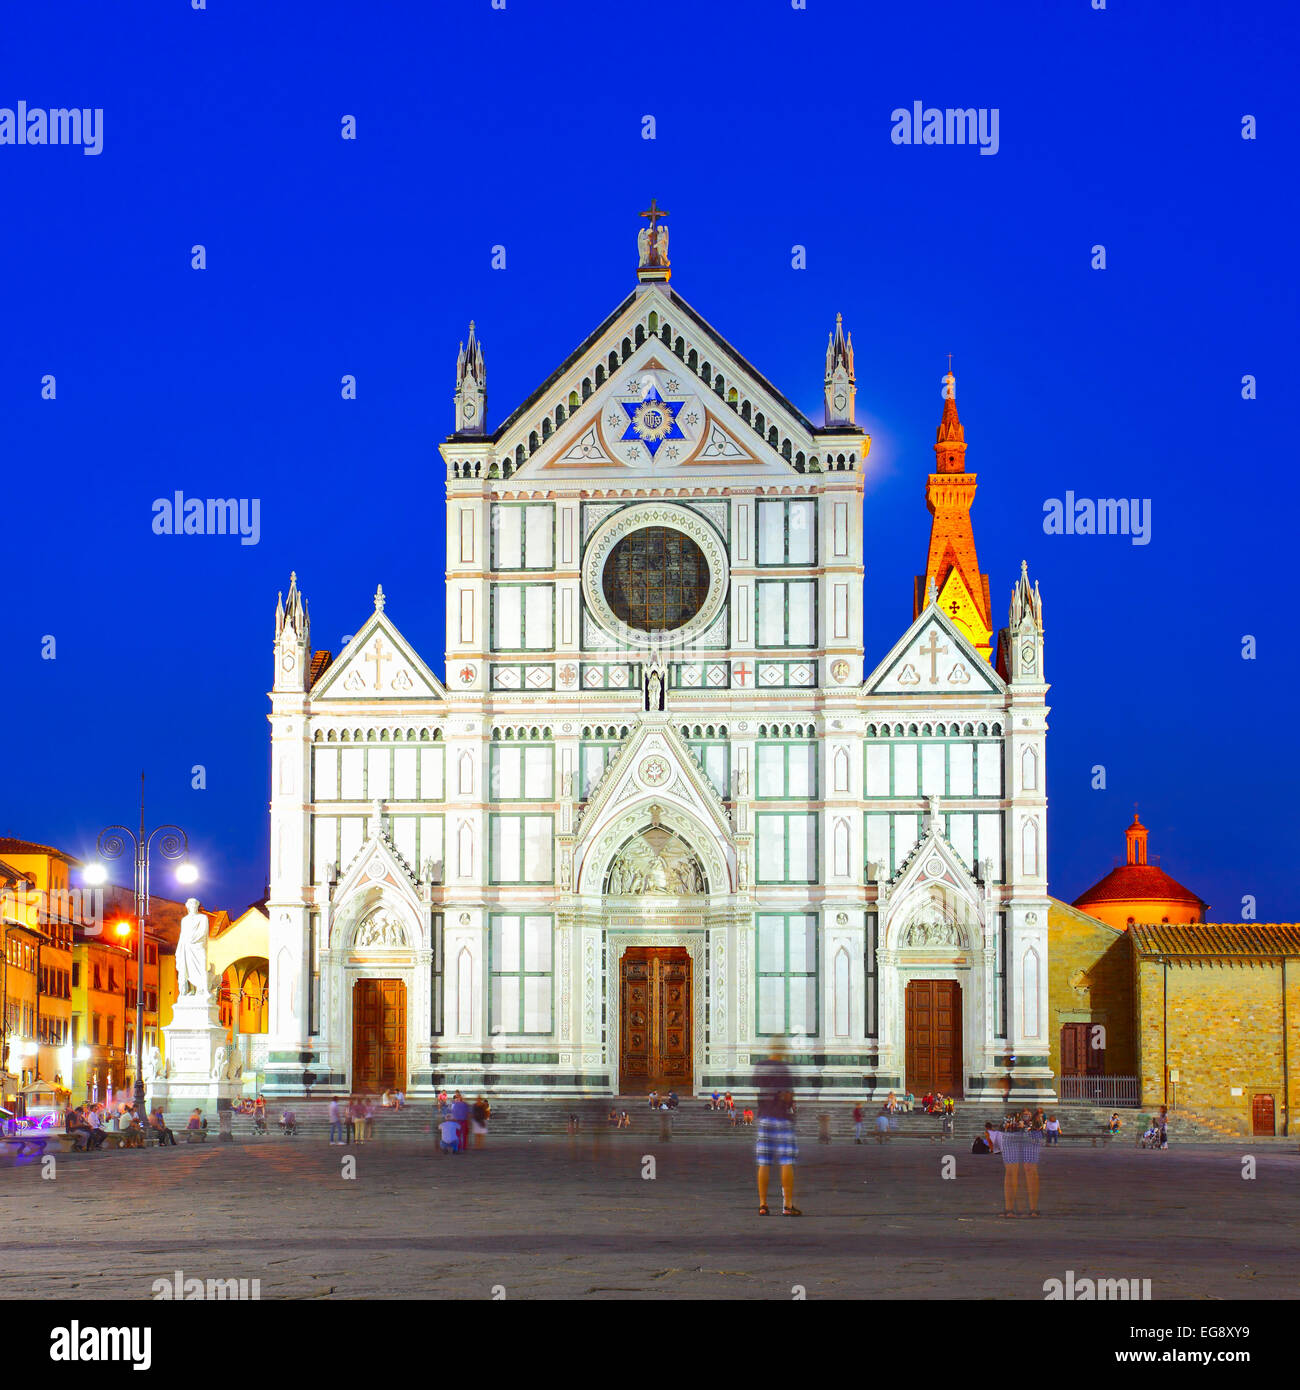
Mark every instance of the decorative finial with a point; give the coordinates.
(379, 599)
(931, 593)
(1024, 568)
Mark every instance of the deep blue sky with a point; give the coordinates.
(523, 127)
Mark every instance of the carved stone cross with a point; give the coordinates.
(377, 654)
(934, 651)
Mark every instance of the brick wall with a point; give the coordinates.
(1225, 1033)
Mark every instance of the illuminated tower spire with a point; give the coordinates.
(952, 565)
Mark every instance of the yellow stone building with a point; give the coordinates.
(36, 917)
(1218, 1021)
(1090, 991)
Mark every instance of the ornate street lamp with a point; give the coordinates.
(172, 843)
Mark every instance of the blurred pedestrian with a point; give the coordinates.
(478, 1120)
(460, 1113)
(775, 1142)
(1019, 1149)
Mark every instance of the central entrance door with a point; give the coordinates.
(655, 1020)
(933, 1032)
(378, 1035)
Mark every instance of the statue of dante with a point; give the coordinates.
(192, 952)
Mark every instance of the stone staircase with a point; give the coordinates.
(529, 1118)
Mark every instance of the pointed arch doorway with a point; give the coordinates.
(655, 1007)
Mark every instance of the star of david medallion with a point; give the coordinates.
(653, 771)
(651, 420)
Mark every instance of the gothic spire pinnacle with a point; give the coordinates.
(379, 599)
(950, 438)
(841, 384)
(1025, 600)
(471, 386)
(290, 611)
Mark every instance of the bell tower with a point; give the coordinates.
(841, 384)
(471, 387)
(952, 565)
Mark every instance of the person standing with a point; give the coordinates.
(857, 1123)
(460, 1113)
(1052, 1129)
(336, 1121)
(882, 1125)
(1019, 1148)
(368, 1114)
(479, 1121)
(775, 1141)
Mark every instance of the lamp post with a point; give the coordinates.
(172, 843)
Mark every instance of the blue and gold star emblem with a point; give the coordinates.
(651, 420)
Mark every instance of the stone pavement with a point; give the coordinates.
(553, 1218)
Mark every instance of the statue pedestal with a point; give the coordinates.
(195, 1074)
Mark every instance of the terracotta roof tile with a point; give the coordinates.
(1218, 939)
(319, 663)
(10, 844)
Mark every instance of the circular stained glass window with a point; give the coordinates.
(656, 579)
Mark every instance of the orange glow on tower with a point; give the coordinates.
(952, 565)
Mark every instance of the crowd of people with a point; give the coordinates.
(91, 1124)
(352, 1121)
(457, 1121)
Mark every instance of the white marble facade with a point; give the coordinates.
(656, 728)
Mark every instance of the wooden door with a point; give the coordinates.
(1079, 1057)
(1261, 1115)
(655, 1019)
(932, 1023)
(378, 1035)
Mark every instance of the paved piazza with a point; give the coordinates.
(549, 1220)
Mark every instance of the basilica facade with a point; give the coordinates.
(661, 813)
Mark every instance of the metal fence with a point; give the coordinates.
(1100, 1090)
